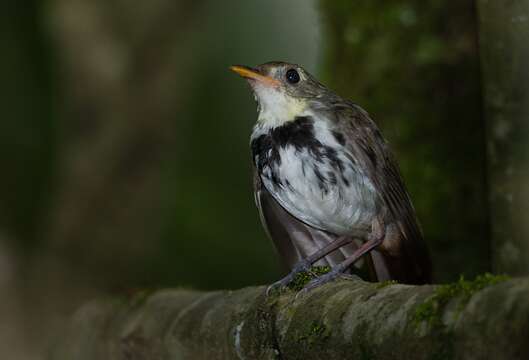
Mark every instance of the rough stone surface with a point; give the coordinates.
(342, 320)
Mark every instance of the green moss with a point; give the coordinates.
(317, 332)
(303, 278)
(431, 310)
(383, 284)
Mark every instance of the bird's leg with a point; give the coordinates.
(306, 263)
(375, 238)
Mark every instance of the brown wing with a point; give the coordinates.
(370, 150)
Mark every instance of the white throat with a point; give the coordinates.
(275, 106)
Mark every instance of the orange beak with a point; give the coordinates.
(252, 74)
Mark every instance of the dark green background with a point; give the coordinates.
(124, 139)
(412, 64)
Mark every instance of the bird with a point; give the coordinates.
(326, 183)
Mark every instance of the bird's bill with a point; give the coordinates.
(252, 74)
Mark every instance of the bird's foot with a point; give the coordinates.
(301, 266)
(336, 272)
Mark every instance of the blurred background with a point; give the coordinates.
(124, 140)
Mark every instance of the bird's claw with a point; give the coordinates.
(298, 268)
(279, 284)
(320, 280)
(324, 279)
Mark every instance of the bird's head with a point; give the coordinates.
(283, 91)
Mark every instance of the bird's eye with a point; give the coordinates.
(292, 76)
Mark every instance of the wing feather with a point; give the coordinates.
(367, 145)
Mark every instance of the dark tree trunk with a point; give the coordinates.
(504, 46)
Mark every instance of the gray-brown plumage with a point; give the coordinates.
(326, 184)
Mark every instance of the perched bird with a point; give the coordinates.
(326, 183)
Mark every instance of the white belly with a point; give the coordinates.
(335, 206)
